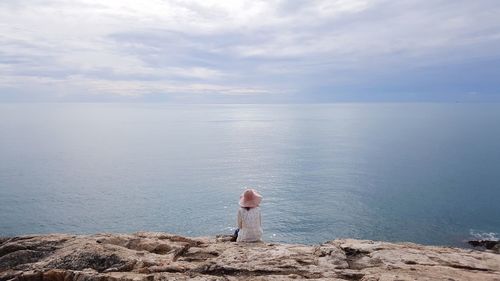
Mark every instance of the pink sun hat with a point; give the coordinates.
(250, 198)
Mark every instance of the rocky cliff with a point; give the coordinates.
(162, 256)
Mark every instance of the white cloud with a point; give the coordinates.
(135, 47)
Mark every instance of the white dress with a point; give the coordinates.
(249, 223)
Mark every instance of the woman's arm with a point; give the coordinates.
(240, 224)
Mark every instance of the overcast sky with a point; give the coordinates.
(250, 51)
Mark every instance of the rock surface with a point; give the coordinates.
(160, 256)
(487, 244)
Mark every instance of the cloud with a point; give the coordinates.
(224, 48)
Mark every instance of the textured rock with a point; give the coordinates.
(493, 245)
(162, 256)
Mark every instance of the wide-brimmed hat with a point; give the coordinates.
(250, 198)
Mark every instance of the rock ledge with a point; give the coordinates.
(152, 256)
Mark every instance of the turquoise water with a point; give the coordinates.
(427, 173)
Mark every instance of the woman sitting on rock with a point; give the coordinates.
(249, 219)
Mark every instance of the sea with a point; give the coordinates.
(419, 172)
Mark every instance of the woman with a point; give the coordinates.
(249, 219)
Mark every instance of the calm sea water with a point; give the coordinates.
(427, 173)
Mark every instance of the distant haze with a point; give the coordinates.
(249, 51)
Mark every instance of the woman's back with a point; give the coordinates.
(249, 223)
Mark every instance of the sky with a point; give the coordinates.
(207, 51)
